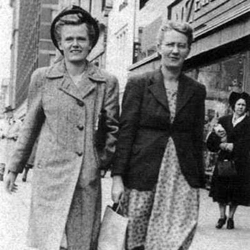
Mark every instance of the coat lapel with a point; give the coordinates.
(89, 81)
(68, 87)
(66, 84)
(185, 92)
(157, 88)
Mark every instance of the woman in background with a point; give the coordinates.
(158, 167)
(232, 141)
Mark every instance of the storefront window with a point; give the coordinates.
(220, 78)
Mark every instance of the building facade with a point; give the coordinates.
(31, 46)
(220, 55)
(132, 27)
(4, 96)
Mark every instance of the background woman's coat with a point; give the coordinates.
(67, 120)
(236, 189)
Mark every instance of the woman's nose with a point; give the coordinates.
(75, 42)
(175, 49)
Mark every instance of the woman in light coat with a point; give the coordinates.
(73, 107)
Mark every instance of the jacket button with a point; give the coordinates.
(79, 153)
(80, 127)
(81, 104)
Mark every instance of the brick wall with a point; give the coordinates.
(34, 44)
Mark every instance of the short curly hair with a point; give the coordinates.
(182, 27)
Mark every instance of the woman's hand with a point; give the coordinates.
(9, 182)
(117, 188)
(227, 146)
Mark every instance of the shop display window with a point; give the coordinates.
(220, 78)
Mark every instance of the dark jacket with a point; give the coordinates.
(145, 128)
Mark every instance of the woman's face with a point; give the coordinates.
(240, 107)
(173, 49)
(75, 43)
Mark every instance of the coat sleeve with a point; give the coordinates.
(213, 142)
(109, 124)
(32, 123)
(129, 122)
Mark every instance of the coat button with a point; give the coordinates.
(79, 153)
(80, 127)
(81, 104)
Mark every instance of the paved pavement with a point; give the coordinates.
(210, 238)
(14, 216)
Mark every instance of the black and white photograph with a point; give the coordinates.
(124, 124)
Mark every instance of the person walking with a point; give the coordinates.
(14, 126)
(73, 107)
(231, 139)
(3, 144)
(158, 167)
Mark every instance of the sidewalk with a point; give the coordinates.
(210, 238)
(14, 217)
(14, 211)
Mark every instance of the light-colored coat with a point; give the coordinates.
(67, 118)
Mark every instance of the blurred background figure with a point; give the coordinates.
(231, 139)
(14, 126)
(9, 133)
(3, 143)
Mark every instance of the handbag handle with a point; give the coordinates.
(116, 206)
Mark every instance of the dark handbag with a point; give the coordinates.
(226, 168)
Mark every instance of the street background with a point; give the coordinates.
(14, 211)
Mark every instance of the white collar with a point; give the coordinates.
(235, 120)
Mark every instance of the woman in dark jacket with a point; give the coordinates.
(232, 142)
(158, 166)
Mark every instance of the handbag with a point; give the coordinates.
(113, 230)
(226, 168)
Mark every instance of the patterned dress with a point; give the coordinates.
(166, 217)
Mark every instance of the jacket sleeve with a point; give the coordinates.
(129, 122)
(198, 132)
(213, 142)
(109, 123)
(32, 123)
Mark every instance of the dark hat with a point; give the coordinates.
(82, 14)
(235, 96)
